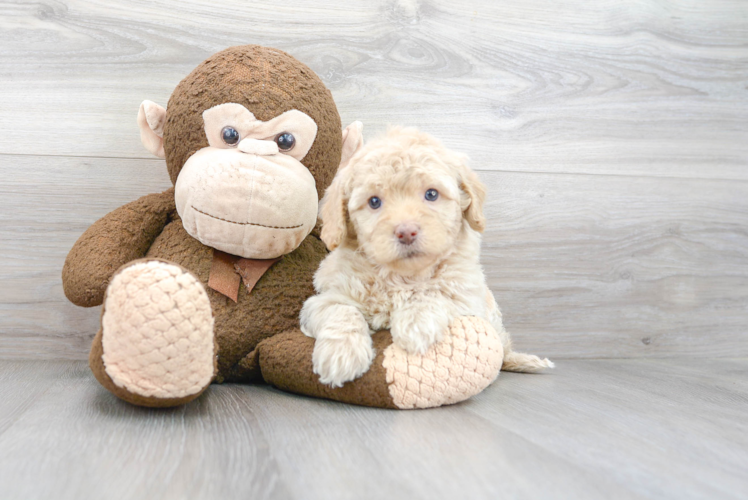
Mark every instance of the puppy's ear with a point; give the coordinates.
(334, 212)
(474, 193)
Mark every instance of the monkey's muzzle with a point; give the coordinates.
(258, 205)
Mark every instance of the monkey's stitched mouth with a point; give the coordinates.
(244, 223)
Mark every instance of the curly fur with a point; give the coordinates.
(372, 280)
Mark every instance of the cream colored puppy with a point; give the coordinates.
(403, 220)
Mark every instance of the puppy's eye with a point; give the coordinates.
(375, 202)
(230, 136)
(431, 195)
(285, 141)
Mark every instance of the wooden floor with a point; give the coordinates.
(592, 429)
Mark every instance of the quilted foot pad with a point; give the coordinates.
(460, 366)
(157, 331)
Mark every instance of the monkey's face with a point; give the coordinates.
(251, 140)
(248, 193)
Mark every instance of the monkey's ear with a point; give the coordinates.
(353, 140)
(151, 119)
(334, 212)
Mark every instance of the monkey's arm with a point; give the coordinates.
(122, 235)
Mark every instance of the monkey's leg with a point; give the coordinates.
(155, 346)
(464, 363)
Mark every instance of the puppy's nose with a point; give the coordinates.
(407, 233)
(258, 147)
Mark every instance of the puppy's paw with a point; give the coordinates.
(342, 358)
(416, 329)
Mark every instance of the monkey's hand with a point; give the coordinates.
(119, 237)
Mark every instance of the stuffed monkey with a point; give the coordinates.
(204, 282)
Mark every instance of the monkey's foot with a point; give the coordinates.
(460, 366)
(464, 363)
(155, 346)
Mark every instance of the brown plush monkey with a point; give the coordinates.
(204, 282)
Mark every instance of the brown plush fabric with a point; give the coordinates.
(286, 363)
(117, 238)
(266, 81)
(271, 308)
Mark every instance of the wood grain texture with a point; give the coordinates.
(612, 429)
(46, 203)
(78, 441)
(613, 140)
(634, 87)
(658, 428)
(582, 265)
(617, 266)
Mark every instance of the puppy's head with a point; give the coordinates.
(402, 200)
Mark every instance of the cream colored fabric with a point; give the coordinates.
(257, 207)
(151, 119)
(231, 114)
(464, 363)
(249, 199)
(258, 147)
(158, 331)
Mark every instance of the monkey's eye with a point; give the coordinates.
(285, 141)
(431, 194)
(230, 136)
(375, 202)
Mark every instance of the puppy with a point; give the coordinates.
(403, 220)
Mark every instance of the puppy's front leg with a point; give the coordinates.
(421, 322)
(343, 349)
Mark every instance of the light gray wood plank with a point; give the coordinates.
(23, 384)
(632, 87)
(79, 441)
(615, 266)
(590, 429)
(336, 451)
(46, 203)
(582, 265)
(661, 428)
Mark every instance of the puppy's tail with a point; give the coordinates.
(525, 363)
